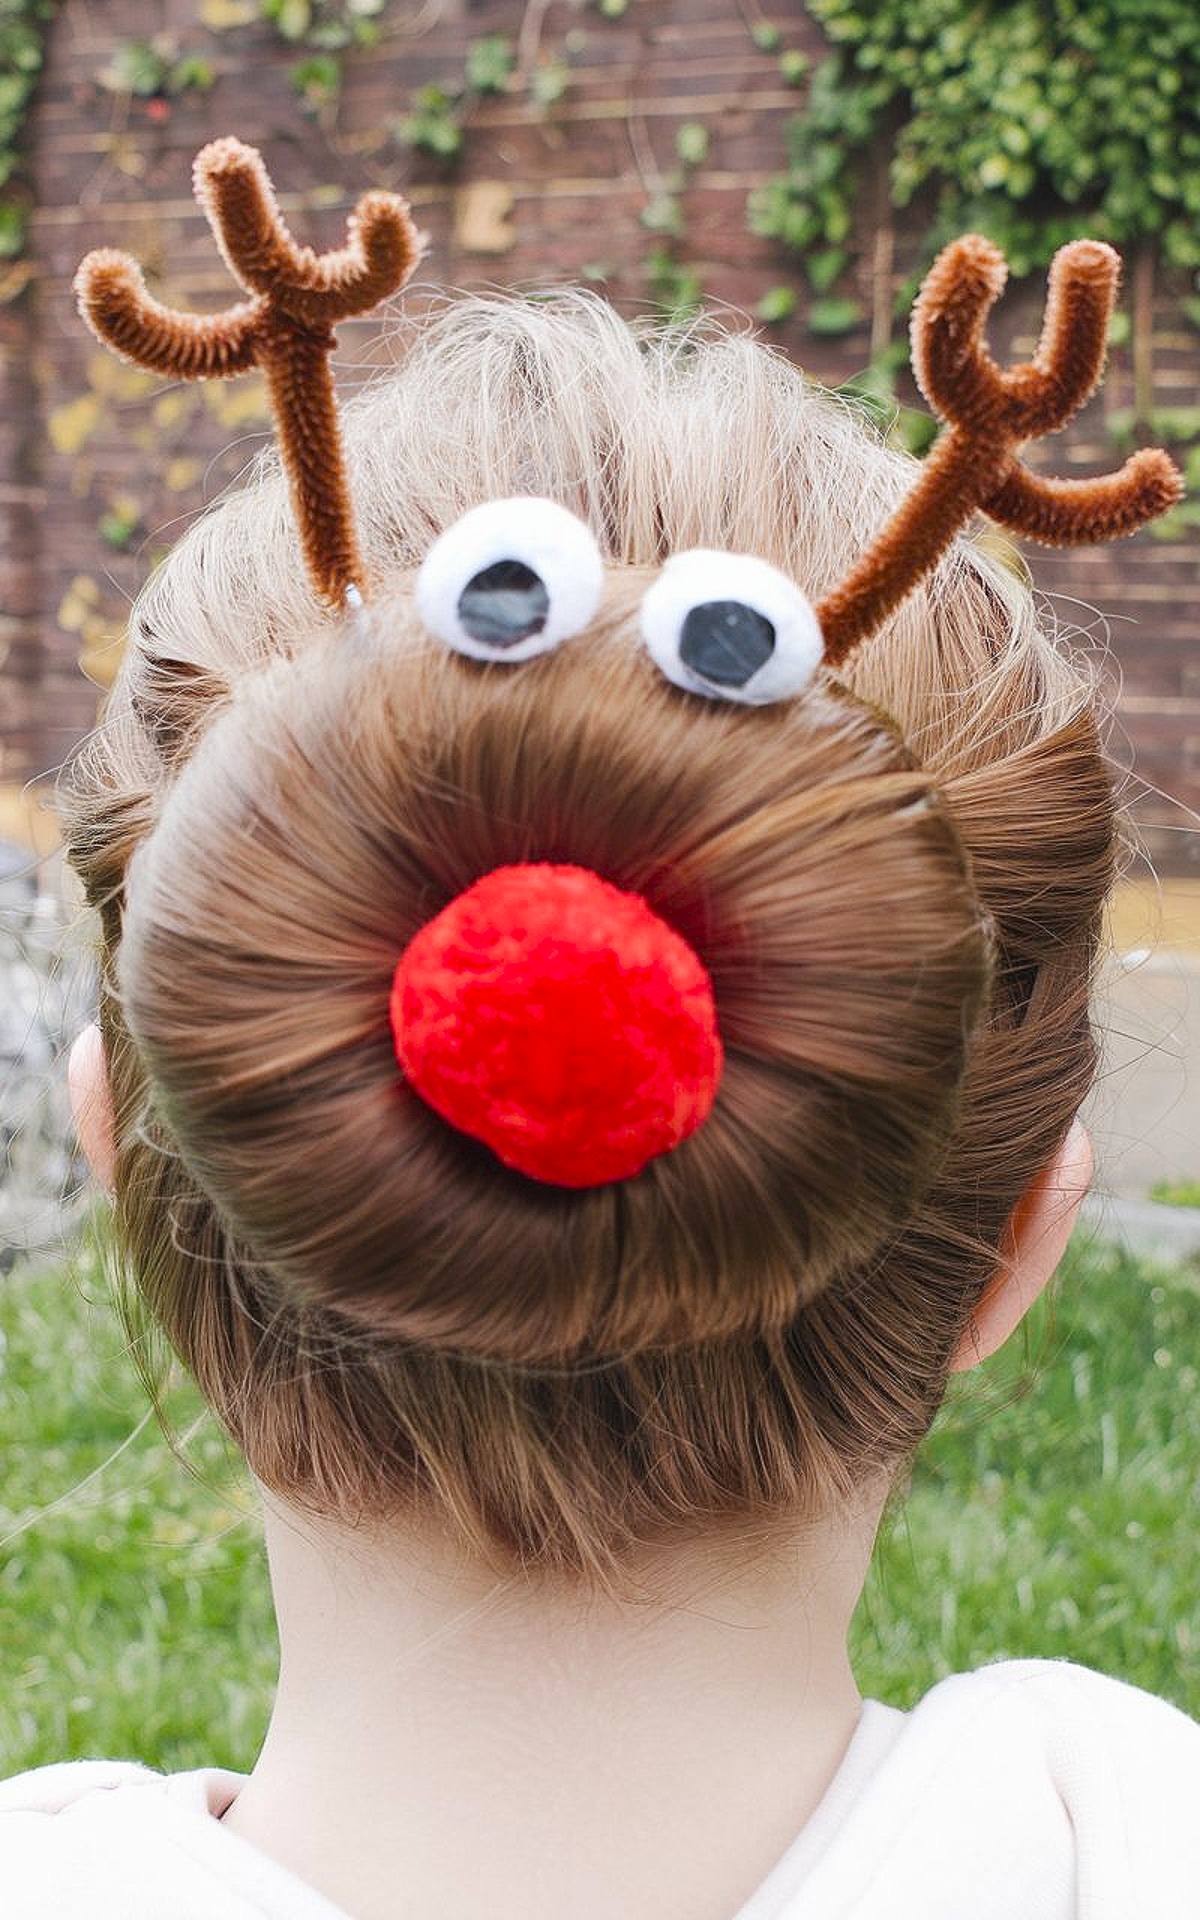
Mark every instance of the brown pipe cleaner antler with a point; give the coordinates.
(989, 414)
(285, 327)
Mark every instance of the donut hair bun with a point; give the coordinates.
(369, 959)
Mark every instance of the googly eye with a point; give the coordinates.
(511, 579)
(731, 627)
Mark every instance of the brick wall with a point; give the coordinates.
(535, 196)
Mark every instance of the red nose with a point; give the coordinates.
(558, 1019)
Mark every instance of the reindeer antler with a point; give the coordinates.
(989, 414)
(286, 328)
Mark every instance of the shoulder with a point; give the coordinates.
(100, 1837)
(1062, 1701)
(1121, 1766)
(1026, 1787)
(48, 1790)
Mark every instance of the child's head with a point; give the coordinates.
(894, 883)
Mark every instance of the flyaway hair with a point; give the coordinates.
(285, 327)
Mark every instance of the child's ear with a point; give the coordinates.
(91, 1104)
(1034, 1244)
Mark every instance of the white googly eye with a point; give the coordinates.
(731, 627)
(511, 579)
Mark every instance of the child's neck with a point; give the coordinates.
(447, 1743)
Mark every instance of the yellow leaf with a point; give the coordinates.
(182, 474)
(115, 380)
(24, 817)
(74, 423)
(125, 155)
(175, 407)
(103, 648)
(483, 217)
(78, 603)
(14, 280)
(243, 405)
(219, 15)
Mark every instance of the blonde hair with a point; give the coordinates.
(895, 882)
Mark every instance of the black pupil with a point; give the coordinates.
(726, 641)
(504, 604)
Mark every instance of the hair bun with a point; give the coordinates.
(342, 803)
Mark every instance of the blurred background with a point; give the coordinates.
(800, 163)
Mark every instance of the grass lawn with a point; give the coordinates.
(1055, 1511)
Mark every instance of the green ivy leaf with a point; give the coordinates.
(662, 213)
(330, 36)
(432, 125)
(14, 92)
(834, 316)
(692, 143)
(778, 303)
(794, 66)
(291, 18)
(677, 288)
(1176, 423)
(490, 63)
(118, 526)
(1177, 523)
(550, 83)
(915, 430)
(442, 137)
(13, 225)
(137, 67)
(824, 266)
(433, 99)
(191, 72)
(1120, 328)
(318, 78)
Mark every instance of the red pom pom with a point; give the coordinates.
(557, 1018)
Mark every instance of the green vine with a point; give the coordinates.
(155, 69)
(327, 26)
(436, 120)
(23, 26)
(326, 29)
(438, 115)
(676, 287)
(1033, 121)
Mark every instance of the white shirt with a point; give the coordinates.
(1029, 1790)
